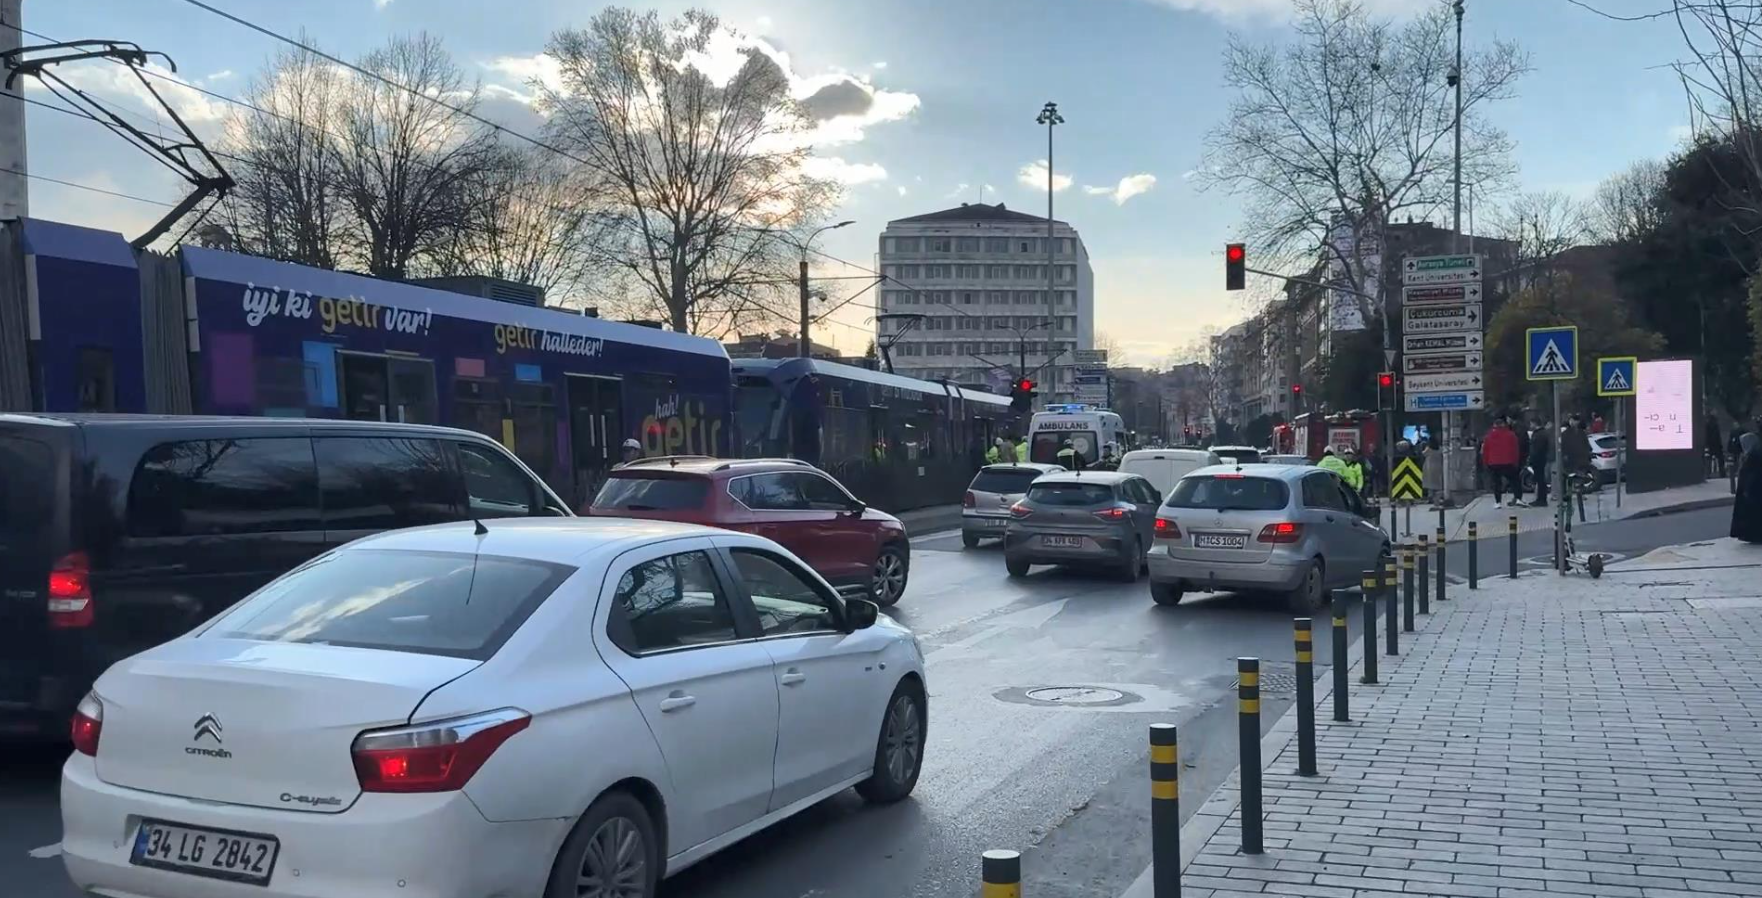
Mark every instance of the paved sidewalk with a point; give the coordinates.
(1543, 736)
(1599, 506)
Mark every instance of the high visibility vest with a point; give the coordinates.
(991, 456)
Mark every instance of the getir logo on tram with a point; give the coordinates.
(513, 336)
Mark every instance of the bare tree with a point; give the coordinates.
(1541, 226)
(287, 203)
(1626, 205)
(531, 220)
(707, 173)
(1722, 79)
(407, 164)
(1332, 136)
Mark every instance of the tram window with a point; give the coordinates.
(535, 424)
(847, 436)
(377, 483)
(494, 487)
(477, 406)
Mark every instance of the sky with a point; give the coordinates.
(942, 111)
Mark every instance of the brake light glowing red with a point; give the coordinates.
(1282, 532)
(1227, 476)
(70, 592)
(1111, 514)
(969, 500)
(1167, 529)
(434, 757)
(88, 725)
(1019, 511)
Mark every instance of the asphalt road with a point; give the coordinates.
(1061, 780)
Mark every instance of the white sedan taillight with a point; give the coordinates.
(88, 725)
(440, 756)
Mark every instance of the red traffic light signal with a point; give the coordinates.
(1026, 385)
(1296, 389)
(1386, 379)
(1235, 266)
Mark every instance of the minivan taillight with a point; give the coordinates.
(441, 756)
(1282, 532)
(70, 592)
(969, 500)
(1167, 529)
(88, 724)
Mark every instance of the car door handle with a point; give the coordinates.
(792, 677)
(676, 701)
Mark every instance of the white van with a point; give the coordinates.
(1163, 467)
(1086, 428)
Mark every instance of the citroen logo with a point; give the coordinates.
(207, 725)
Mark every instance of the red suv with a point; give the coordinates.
(856, 548)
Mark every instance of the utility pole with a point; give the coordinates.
(801, 284)
(14, 188)
(1456, 225)
(1049, 117)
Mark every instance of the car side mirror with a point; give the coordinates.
(857, 508)
(860, 614)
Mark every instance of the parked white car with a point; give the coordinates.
(552, 707)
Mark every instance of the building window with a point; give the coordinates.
(1024, 246)
(999, 297)
(940, 244)
(908, 272)
(939, 296)
(890, 271)
(1067, 273)
(1064, 246)
(969, 323)
(968, 297)
(1024, 272)
(997, 244)
(935, 272)
(907, 244)
(967, 244)
(971, 272)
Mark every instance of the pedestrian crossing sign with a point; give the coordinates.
(1615, 375)
(1553, 353)
(1405, 484)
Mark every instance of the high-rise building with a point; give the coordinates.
(974, 280)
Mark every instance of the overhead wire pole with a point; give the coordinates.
(1049, 117)
(802, 348)
(1456, 223)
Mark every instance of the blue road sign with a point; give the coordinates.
(1459, 400)
(1615, 375)
(1553, 353)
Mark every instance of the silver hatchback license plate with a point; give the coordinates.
(218, 854)
(1220, 541)
(1062, 542)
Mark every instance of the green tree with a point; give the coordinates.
(1350, 381)
(1606, 326)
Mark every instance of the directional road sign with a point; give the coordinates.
(1466, 292)
(1462, 400)
(1442, 361)
(1421, 344)
(1441, 318)
(1441, 269)
(1615, 375)
(1443, 382)
(1405, 484)
(1553, 353)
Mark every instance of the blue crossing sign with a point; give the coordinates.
(1552, 353)
(1615, 375)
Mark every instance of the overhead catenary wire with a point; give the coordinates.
(74, 184)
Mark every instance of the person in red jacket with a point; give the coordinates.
(1499, 454)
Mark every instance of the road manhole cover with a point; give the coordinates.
(1068, 696)
(1075, 695)
(1275, 679)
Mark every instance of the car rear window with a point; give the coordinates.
(431, 603)
(1004, 481)
(27, 493)
(1073, 494)
(1229, 493)
(1245, 456)
(652, 494)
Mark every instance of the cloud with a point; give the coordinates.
(117, 82)
(849, 174)
(1034, 175)
(381, 4)
(221, 75)
(839, 98)
(1238, 11)
(1129, 186)
(958, 191)
(540, 68)
(901, 189)
(879, 65)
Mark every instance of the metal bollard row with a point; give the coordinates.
(1368, 586)
(1474, 545)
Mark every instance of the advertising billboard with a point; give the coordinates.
(1664, 409)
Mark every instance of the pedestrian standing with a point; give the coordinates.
(1746, 507)
(1433, 473)
(1541, 455)
(1710, 439)
(1499, 452)
(1597, 423)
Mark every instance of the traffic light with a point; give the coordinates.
(1235, 266)
(1385, 390)
(1386, 380)
(1296, 396)
(1021, 395)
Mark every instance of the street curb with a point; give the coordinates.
(1222, 803)
(1696, 505)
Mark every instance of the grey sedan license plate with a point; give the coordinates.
(1220, 541)
(1062, 542)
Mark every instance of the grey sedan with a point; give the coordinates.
(1086, 518)
(1291, 530)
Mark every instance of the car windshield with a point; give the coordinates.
(433, 603)
(1070, 494)
(1004, 480)
(1229, 492)
(625, 493)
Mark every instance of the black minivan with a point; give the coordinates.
(119, 532)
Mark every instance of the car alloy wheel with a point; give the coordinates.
(615, 864)
(902, 739)
(889, 577)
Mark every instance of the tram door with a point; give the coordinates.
(387, 388)
(596, 430)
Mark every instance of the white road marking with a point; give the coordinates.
(1027, 619)
(47, 851)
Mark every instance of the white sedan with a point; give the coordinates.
(552, 707)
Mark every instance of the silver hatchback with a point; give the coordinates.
(1083, 517)
(985, 507)
(1287, 529)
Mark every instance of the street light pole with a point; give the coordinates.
(802, 285)
(1049, 117)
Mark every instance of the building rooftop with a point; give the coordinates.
(975, 212)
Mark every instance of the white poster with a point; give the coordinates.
(1665, 405)
(1364, 251)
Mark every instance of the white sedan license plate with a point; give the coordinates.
(1062, 542)
(1219, 541)
(220, 854)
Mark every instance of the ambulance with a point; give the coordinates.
(1088, 430)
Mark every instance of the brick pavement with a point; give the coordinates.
(1543, 736)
